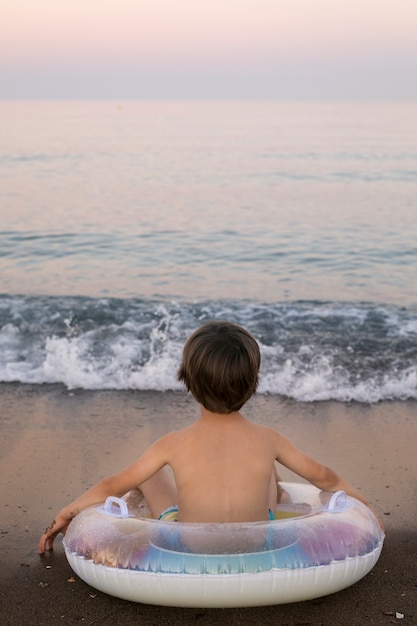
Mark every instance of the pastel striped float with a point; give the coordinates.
(318, 544)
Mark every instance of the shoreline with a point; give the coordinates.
(55, 443)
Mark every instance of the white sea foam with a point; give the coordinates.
(310, 351)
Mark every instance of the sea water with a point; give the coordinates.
(124, 226)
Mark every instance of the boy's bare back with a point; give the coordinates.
(223, 466)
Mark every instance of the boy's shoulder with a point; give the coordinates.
(265, 428)
(177, 435)
(271, 434)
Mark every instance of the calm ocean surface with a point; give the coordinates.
(125, 226)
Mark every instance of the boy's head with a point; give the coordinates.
(220, 366)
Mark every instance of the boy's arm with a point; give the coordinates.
(319, 475)
(146, 466)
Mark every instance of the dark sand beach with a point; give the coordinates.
(55, 443)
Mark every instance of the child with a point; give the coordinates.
(223, 465)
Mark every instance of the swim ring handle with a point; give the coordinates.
(337, 502)
(110, 505)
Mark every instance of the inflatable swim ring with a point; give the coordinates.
(318, 544)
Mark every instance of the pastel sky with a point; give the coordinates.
(286, 49)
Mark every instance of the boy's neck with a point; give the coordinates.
(207, 415)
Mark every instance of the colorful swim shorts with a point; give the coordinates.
(170, 514)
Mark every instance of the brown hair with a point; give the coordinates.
(220, 366)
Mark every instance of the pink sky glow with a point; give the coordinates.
(215, 48)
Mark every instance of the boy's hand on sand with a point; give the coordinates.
(58, 525)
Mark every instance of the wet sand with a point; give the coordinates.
(55, 443)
